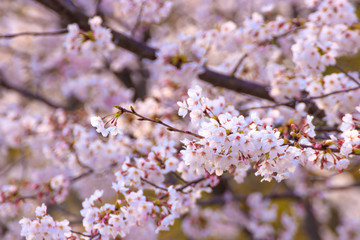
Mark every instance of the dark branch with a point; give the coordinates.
(235, 84)
(158, 121)
(69, 13)
(311, 224)
(144, 51)
(52, 33)
(85, 174)
(139, 48)
(347, 74)
(97, 7)
(153, 184)
(31, 95)
(190, 183)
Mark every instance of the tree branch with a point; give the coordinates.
(153, 184)
(347, 74)
(69, 14)
(293, 102)
(190, 183)
(158, 121)
(51, 33)
(31, 95)
(144, 51)
(85, 174)
(235, 84)
(97, 7)
(311, 224)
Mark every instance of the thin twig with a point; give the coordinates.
(138, 20)
(286, 104)
(241, 60)
(321, 148)
(97, 7)
(347, 74)
(86, 235)
(7, 168)
(332, 93)
(26, 197)
(82, 234)
(153, 184)
(64, 210)
(293, 102)
(85, 174)
(158, 121)
(81, 164)
(275, 38)
(94, 236)
(190, 183)
(31, 95)
(178, 177)
(180, 189)
(51, 33)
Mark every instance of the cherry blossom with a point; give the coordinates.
(131, 118)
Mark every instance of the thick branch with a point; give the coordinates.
(140, 49)
(68, 13)
(235, 84)
(311, 224)
(144, 51)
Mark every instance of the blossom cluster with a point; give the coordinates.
(134, 209)
(13, 196)
(231, 143)
(98, 40)
(100, 127)
(44, 226)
